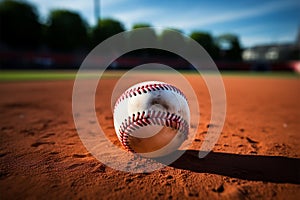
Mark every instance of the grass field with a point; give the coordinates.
(29, 75)
(47, 75)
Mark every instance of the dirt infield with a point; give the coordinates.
(257, 155)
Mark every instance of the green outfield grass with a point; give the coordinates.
(40, 75)
(30, 75)
(276, 74)
(35, 75)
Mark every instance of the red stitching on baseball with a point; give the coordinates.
(151, 117)
(148, 88)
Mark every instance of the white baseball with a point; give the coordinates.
(152, 118)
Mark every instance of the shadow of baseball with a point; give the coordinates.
(275, 169)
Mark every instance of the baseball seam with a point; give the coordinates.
(148, 88)
(151, 117)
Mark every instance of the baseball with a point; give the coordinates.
(152, 118)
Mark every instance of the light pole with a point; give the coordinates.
(97, 10)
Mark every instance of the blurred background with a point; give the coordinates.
(240, 35)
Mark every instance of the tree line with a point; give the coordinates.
(67, 31)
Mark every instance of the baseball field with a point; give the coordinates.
(256, 156)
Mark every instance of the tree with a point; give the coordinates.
(19, 25)
(230, 46)
(142, 37)
(173, 39)
(141, 25)
(104, 29)
(66, 30)
(207, 42)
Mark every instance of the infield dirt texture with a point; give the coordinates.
(257, 154)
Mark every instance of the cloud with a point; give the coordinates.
(133, 16)
(266, 39)
(108, 3)
(74, 4)
(192, 19)
(251, 41)
(262, 33)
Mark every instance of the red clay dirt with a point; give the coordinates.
(257, 154)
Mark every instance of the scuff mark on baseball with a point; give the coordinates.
(152, 118)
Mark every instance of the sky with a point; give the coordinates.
(254, 21)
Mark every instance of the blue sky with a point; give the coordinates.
(255, 22)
